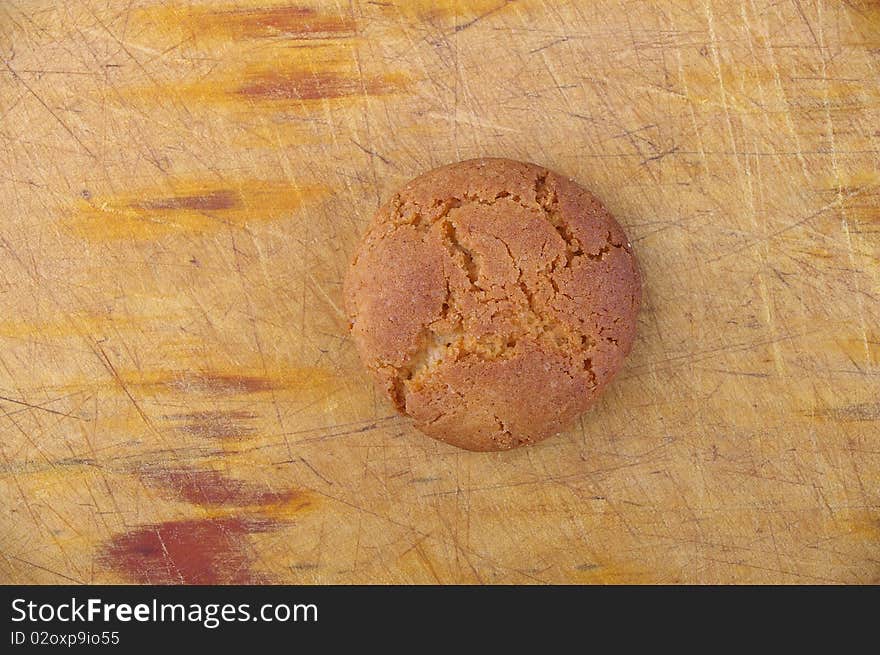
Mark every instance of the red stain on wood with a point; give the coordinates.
(294, 22)
(188, 207)
(309, 85)
(214, 200)
(220, 383)
(865, 216)
(211, 551)
(211, 488)
(228, 23)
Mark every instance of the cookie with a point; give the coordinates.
(493, 300)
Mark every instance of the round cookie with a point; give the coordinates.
(493, 300)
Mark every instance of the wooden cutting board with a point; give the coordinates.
(182, 185)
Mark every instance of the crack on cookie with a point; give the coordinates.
(548, 202)
(455, 246)
(545, 327)
(545, 195)
(500, 423)
(588, 366)
(600, 255)
(401, 215)
(395, 388)
(506, 436)
(444, 308)
(434, 348)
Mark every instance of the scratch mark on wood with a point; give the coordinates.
(64, 576)
(57, 118)
(40, 407)
(105, 360)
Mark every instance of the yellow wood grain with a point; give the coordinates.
(182, 185)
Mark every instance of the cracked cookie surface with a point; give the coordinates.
(493, 300)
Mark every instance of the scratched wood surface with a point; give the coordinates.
(182, 185)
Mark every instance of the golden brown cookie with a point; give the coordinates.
(493, 300)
